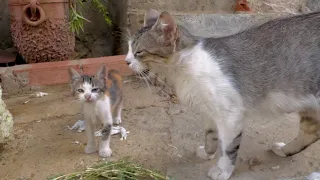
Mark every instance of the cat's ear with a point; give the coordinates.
(73, 74)
(101, 73)
(150, 17)
(168, 26)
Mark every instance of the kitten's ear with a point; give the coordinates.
(101, 73)
(168, 26)
(150, 17)
(73, 74)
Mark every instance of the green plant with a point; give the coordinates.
(120, 170)
(77, 20)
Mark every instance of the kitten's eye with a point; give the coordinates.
(95, 90)
(80, 90)
(139, 53)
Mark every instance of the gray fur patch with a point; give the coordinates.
(279, 56)
(233, 148)
(106, 132)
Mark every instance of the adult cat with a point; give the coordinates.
(274, 67)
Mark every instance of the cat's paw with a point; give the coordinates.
(105, 152)
(277, 148)
(201, 153)
(90, 149)
(215, 173)
(117, 120)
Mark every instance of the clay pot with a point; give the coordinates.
(40, 29)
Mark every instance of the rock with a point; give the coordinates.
(313, 5)
(275, 167)
(102, 47)
(6, 122)
(81, 50)
(254, 161)
(11, 83)
(277, 6)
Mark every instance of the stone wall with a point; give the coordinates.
(136, 8)
(101, 40)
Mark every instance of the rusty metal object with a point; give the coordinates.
(40, 30)
(242, 6)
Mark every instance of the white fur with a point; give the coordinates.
(134, 63)
(203, 86)
(98, 108)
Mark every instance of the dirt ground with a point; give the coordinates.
(163, 136)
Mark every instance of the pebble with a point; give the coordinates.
(275, 167)
(254, 161)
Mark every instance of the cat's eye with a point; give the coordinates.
(95, 90)
(139, 53)
(80, 90)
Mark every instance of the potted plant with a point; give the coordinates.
(43, 30)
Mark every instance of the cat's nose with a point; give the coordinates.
(87, 96)
(128, 60)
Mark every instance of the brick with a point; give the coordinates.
(54, 73)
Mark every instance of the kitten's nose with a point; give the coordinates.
(87, 96)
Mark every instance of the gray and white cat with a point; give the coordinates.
(274, 68)
(101, 97)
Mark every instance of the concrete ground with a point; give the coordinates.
(163, 136)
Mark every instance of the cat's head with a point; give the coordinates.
(88, 88)
(153, 44)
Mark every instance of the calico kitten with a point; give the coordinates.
(101, 98)
(273, 68)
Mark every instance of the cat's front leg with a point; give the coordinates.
(91, 143)
(230, 127)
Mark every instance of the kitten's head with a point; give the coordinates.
(88, 88)
(154, 43)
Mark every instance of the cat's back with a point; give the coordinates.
(280, 55)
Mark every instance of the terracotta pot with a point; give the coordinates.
(40, 29)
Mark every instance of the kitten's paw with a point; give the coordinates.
(117, 120)
(201, 153)
(90, 149)
(215, 173)
(105, 152)
(277, 149)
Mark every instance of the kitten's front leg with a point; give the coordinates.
(91, 143)
(106, 118)
(104, 150)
